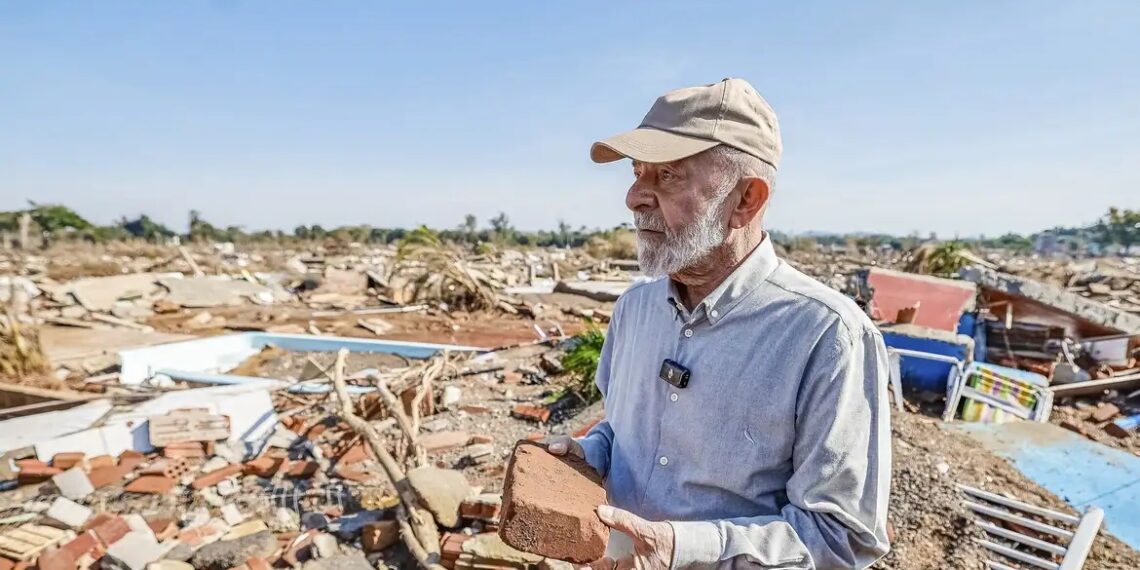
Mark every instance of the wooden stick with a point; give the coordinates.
(430, 372)
(397, 411)
(423, 536)
(190, 259)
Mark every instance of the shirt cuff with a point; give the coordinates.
(695, 545)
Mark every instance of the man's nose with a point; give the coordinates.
(639, 197)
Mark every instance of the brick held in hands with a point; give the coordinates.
(550, 505)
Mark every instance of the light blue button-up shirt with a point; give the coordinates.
(777, 454)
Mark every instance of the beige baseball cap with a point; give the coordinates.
(691, 120)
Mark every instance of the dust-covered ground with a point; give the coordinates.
(932, 529)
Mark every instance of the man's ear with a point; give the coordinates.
(753, 199)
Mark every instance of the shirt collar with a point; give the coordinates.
(749, 275)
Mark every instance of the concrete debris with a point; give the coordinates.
(225, 554)
(442, 491)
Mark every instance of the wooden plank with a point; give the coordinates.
(25, 542)
(188, 426)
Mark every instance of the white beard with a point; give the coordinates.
(659, 256)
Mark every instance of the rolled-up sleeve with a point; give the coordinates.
(598, 443)
(836, 516)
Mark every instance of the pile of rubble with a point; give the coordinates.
(1113, 281)
(323, 479)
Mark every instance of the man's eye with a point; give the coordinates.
(666, 175)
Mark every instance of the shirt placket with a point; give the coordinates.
(662, 459)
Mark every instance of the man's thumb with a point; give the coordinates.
(618, 519)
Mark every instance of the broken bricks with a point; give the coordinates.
(533, 413)
(216, 476)
(151, 485)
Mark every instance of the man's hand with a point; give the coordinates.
(652, 541)
(563, 444)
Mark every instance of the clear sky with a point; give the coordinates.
(954, 117)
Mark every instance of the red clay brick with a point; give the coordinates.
(316, 431)
(100, 461)
(481, 508)
(477, 439)
(357, 475)
(173, 468)
(30, 462)
(87, 543)
(355, 454)
(108, 475)
(31, 474)
(151, 485)
(533, 413)
(549, 505)
(303, 469)
(216, 476)
(427, 405)
(68, 459)
(57, 559)
(162, 527)
(108, 527)
(265, 466)
(131, 459)
(379, 535)
(184, 450)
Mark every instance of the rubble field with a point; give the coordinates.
(352, 459)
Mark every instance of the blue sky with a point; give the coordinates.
(954, 117)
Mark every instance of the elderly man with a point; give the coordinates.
(776, 451)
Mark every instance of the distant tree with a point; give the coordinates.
(201, 230)
(55, 217)
(1121, 227)
(146, 228)
(501, 227)
(563, 233)
(470, 227)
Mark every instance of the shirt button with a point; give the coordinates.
(663, 461)
(673, 397)
(715, 313)
(688, 333)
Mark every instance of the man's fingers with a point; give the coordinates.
(624, 521)
(563, 444)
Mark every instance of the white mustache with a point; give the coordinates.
(648, 221)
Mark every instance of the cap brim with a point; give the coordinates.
(648, 145)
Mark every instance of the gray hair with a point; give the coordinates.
(732, 164)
